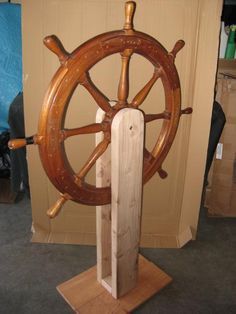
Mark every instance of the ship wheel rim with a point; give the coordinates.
(61, 89)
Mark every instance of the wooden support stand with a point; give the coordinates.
(124, 279)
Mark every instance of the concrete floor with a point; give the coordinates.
(204, 271)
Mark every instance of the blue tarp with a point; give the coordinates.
(10, 58)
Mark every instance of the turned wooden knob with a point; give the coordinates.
(20, 142)
(129, 15)
(17, 143)
(187, 110)
(54, 44)
(162, 173)
(177, 47)
(56, 208)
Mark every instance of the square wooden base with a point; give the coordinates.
(85, 295)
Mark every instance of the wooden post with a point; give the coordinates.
(126, 184)
(118, 225)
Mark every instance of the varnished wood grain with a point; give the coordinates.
(130, 7)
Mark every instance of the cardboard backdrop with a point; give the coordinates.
(170, 206)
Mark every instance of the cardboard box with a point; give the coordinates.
(170, 206)
(221, 195)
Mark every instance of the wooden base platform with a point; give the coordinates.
(85, 295)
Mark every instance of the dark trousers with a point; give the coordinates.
(19, 170)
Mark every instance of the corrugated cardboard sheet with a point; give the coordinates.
(221, 197)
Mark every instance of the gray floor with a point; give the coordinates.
(204, 271)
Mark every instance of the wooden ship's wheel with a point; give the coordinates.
(74, 71)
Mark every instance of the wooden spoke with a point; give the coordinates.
(149, 158)
(157, 116)
(88, 129)
(98, 151)
(141, 96)
(147, 155)
(99, 97)
(123, 88)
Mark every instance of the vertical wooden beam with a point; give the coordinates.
(127, 136)
(103, 213)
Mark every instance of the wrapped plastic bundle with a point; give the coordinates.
(10, 58)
